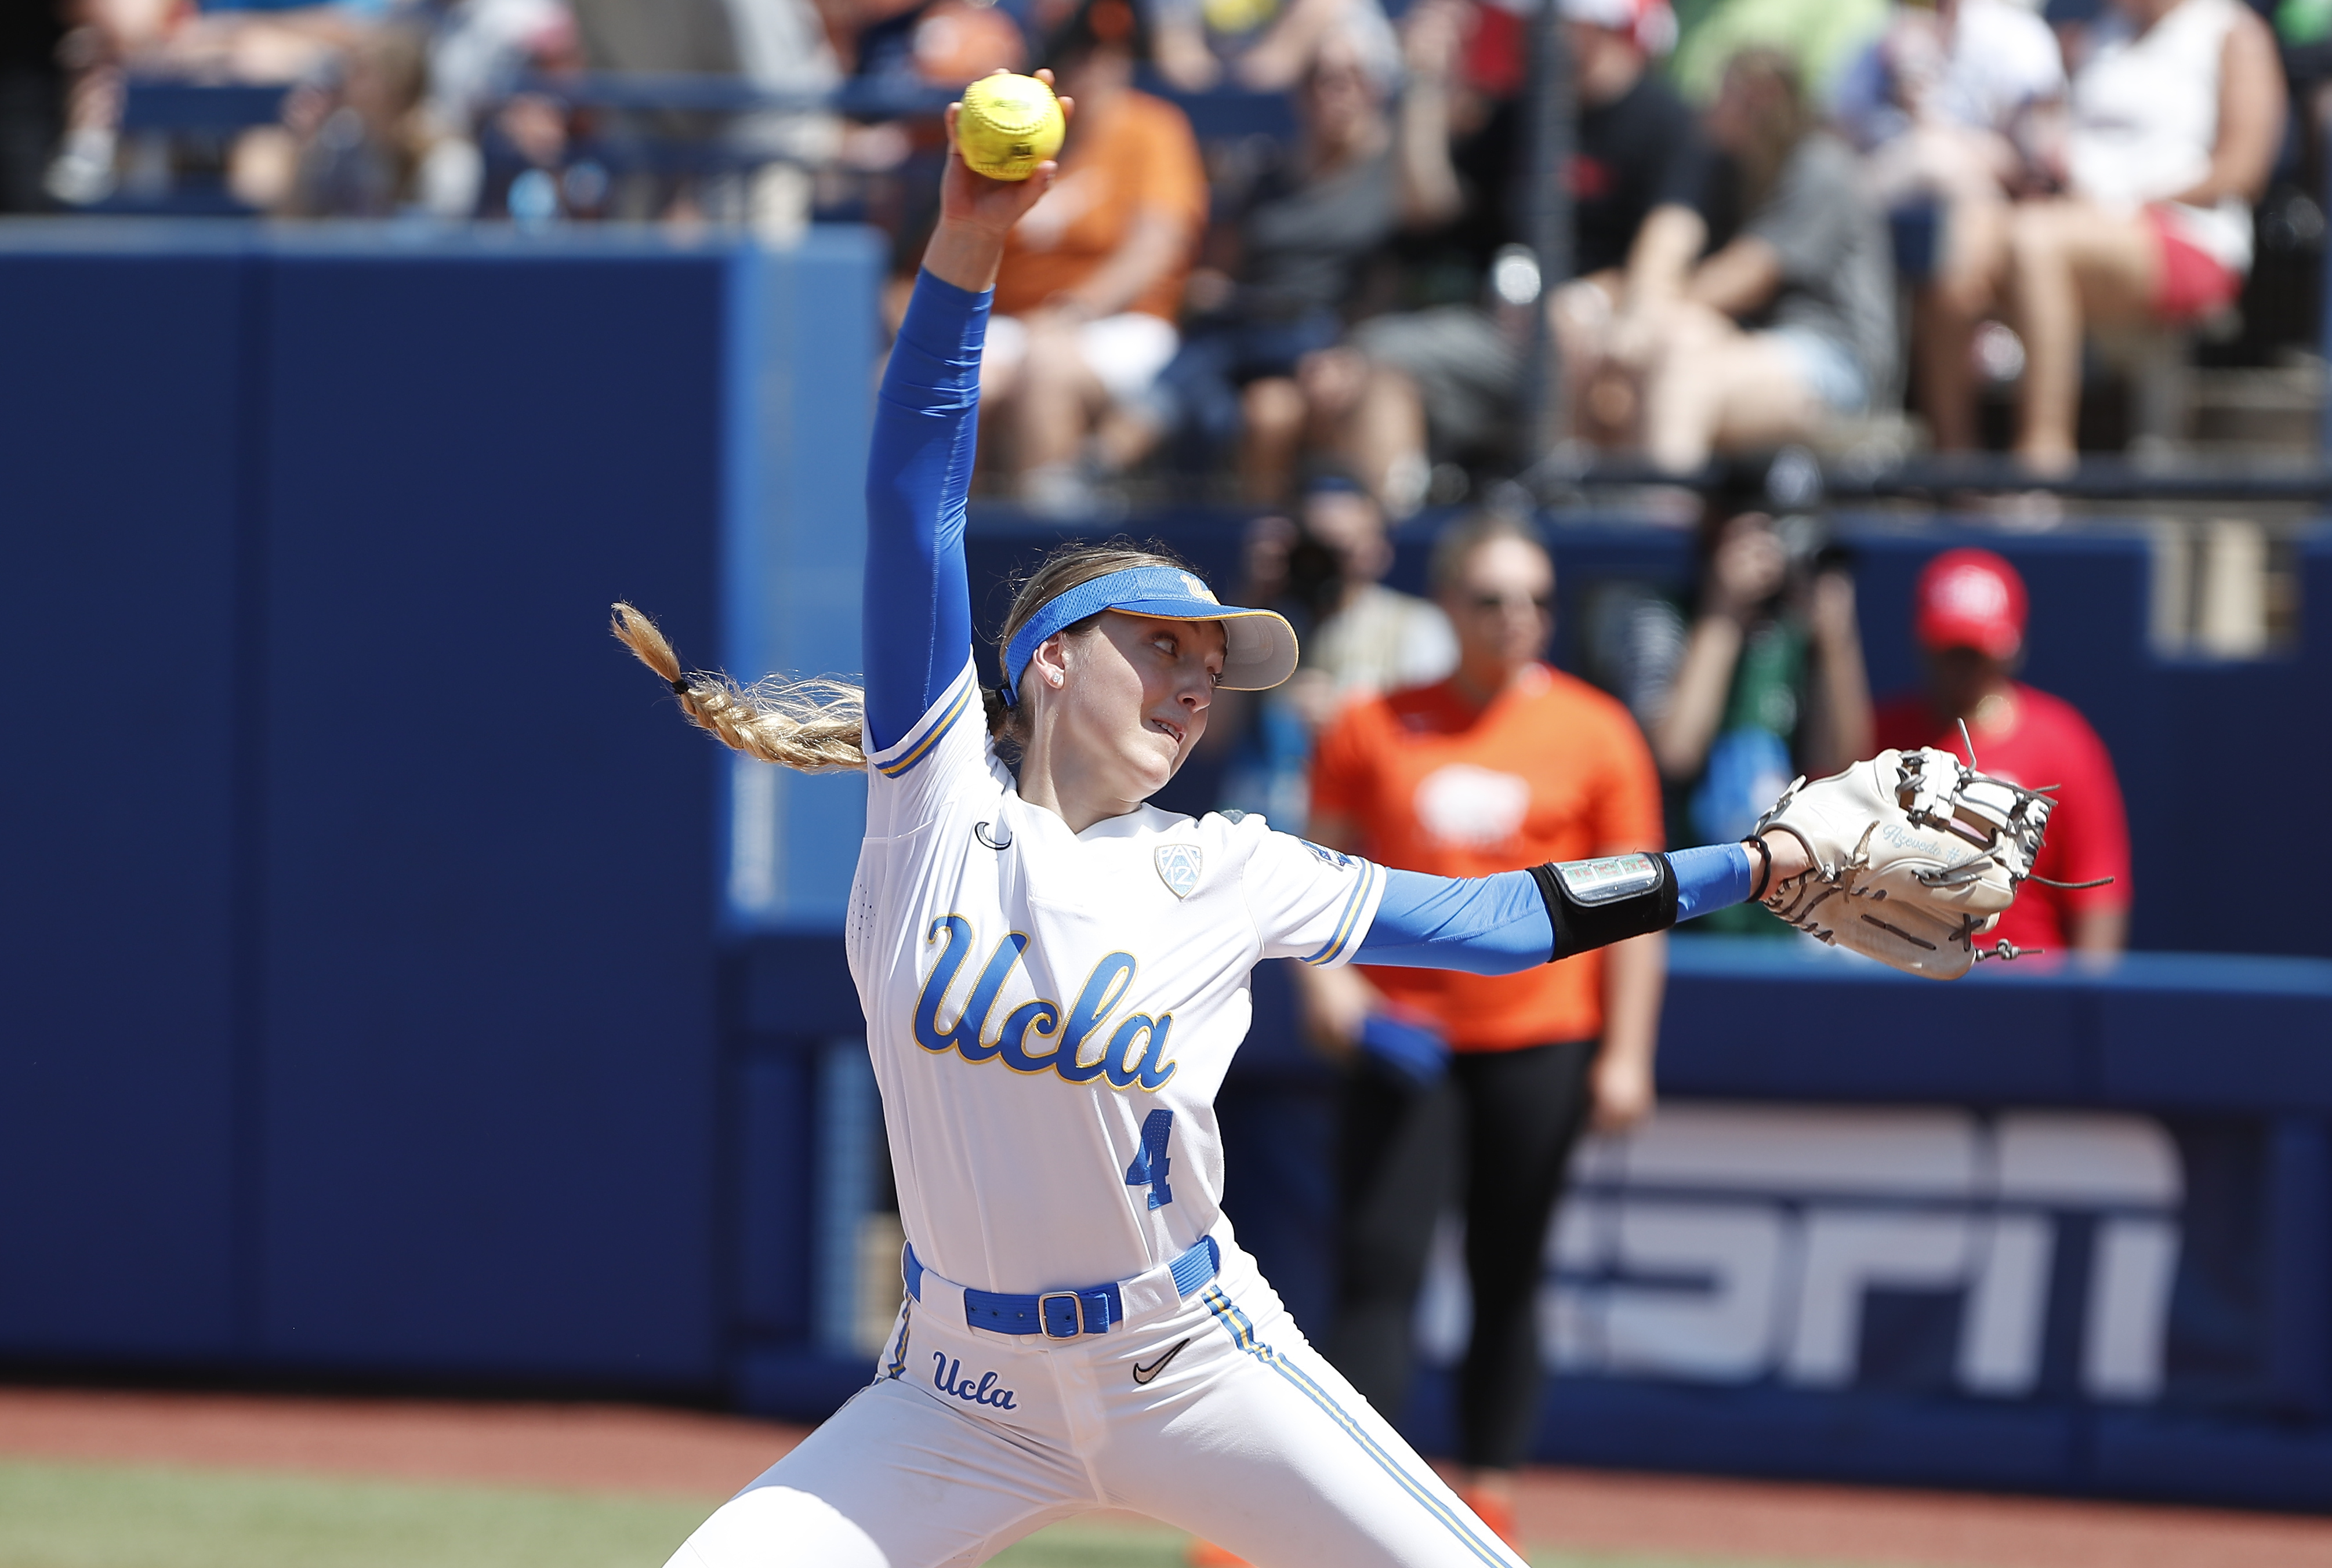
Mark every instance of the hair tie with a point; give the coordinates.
(1765, 873)
(680, 688)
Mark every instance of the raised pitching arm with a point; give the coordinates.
(917, 631)
(917, 627)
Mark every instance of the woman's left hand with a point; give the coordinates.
(1790, 860)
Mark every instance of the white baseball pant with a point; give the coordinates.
(1216, 1417)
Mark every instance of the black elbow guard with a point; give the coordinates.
(1596, 903)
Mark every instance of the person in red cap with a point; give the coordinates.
(1970, 614)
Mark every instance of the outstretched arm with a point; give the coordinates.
(1507, 922)
(917, 626)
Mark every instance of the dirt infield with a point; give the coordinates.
(1599, 1511)
(612, 1447)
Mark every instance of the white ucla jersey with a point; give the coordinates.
(1051, 1013)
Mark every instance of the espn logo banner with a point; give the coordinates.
(1735, 1244)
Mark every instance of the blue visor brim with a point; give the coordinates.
(1259, 650)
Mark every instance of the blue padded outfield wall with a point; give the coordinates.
(393, 990)
(361, 934)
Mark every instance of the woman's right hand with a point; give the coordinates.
(993, 204)
(977, 213)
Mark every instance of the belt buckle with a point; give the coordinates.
(1077, 1314)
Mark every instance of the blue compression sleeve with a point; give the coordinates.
(1711, 878)
(1499, 926)
(1481, 924)
(917, 630)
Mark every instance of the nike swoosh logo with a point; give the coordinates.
(980, 831)
(1143, 1374)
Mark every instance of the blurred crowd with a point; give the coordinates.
(1296, 236)
(1951, 185)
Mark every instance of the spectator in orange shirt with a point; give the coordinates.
(1969, 611)
(1505, 764)
(1093, 273)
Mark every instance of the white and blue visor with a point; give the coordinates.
(1259, 649)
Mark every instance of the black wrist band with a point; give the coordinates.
(1593, 903)
(1765, 873)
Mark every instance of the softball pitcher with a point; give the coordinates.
(1055, 976)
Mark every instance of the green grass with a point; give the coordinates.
(99, 1516)
(55, 1516)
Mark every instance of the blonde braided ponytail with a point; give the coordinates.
(813, 726)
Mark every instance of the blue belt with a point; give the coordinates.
(1064, 1313)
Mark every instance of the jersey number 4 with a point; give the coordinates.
(1148, 1167)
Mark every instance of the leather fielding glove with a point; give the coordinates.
(1916, 856)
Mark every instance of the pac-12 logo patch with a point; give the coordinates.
(1177, 868)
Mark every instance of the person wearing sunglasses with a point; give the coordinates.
(1504, 763)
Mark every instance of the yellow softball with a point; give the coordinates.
(1007, 126)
